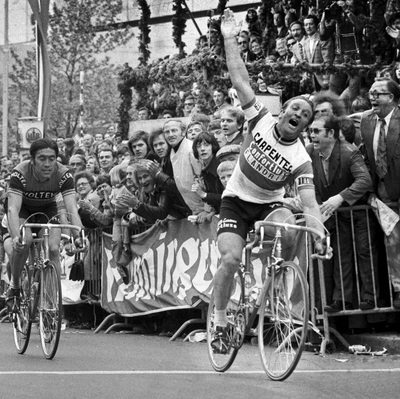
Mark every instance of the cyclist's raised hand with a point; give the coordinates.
(229, 27)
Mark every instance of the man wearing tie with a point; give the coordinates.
(380, 131)
(317, 51)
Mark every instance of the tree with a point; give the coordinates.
(79, 30)
(79, 33)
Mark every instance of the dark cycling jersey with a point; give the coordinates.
(38, 195)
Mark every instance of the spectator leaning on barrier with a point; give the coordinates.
(164, 175)
(139, 146)
(341, 178)
(185, 166)
(381, 136)
(148, 202)
(100, 216)
(208, 186)
(84, 186)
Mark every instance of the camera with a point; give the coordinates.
(332, 11)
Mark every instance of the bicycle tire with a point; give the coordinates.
(282, 328)
(50, 310)
(21, 317)
(222, 362)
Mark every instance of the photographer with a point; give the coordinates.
(345, 22)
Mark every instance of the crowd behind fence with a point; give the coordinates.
(317, 277)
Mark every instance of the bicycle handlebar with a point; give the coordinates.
(53, 226)
(259, 227)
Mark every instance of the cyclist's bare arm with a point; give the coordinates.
(237, 69)
(14, 207)
(311, 211)
(72, 210)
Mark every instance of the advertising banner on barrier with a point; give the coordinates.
(172, 267)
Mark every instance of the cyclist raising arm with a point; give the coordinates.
(34, 185)
(270, 157)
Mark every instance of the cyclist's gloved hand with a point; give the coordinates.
(322, 249)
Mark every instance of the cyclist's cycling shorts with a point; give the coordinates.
(237, 216)
(46, 215)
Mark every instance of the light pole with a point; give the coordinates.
(5, 81)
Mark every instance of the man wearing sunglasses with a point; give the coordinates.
(381, 136)
(341, 178)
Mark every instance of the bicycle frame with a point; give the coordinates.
(282, 327)
(40, 292)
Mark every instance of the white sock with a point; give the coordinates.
(220, 318)
(14, 284)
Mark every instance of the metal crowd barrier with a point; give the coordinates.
(93, 264)
(381, 285)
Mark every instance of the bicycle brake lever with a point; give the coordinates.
(261, 236)
(328, 245)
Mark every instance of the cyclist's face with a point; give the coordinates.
(44, 163)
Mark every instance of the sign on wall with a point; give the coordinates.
(29, 130)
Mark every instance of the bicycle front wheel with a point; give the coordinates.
(50, 310)
(283, 320)
(21, 315)
(236, 332)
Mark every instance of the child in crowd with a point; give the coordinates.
(225, 170)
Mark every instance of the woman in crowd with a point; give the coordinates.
(209, 186)
(256, 50)
(102, 215)
(92, 166)
(84, 186)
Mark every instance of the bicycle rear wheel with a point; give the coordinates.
(283, 320)
(50, 310)
(21, 315)
(219, 361)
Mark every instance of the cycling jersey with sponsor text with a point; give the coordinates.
(266, 163)
(36, 195)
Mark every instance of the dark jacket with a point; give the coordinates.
(392, 178)
(214, 187)
(348, 174)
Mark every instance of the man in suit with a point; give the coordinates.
(317, 51)
(297, 31)
(383, 159)
(341, 178)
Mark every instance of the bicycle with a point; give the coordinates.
(282, 328)
(40, 293)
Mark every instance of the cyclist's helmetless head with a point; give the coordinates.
(295, 116)
(44, 163)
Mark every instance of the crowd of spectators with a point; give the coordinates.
(180, 171)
